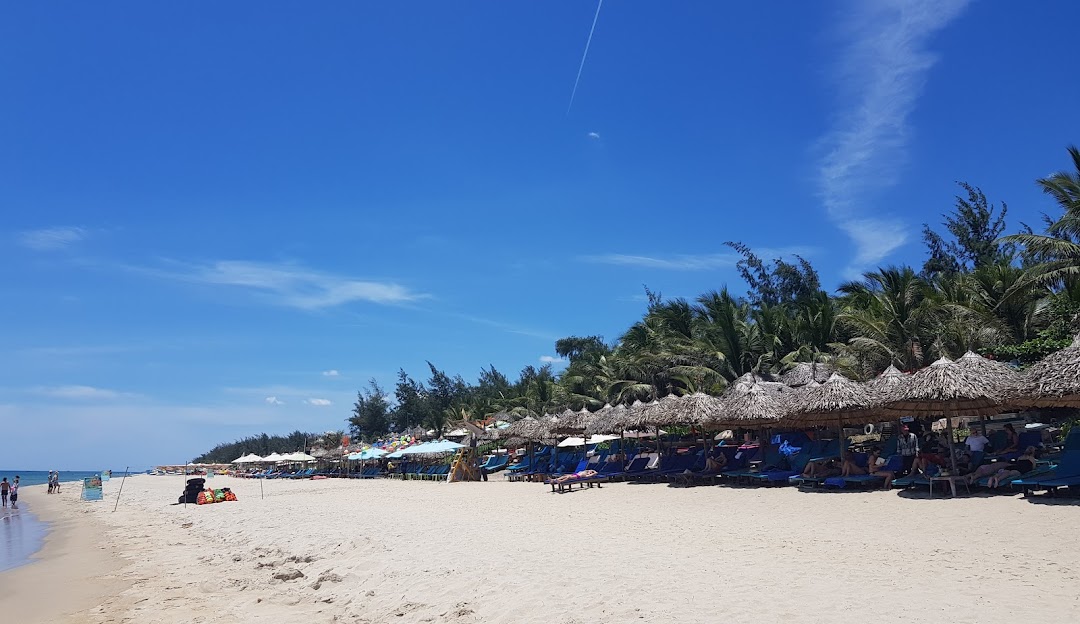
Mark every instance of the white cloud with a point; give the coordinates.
(52, 239)
(80, 393)
(881, 77)
(319, 402)
(291, 285)
(273, 400)
(593, 135)
(693, 262)
(331, 373)
(551, 359)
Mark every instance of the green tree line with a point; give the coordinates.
(1012, 296)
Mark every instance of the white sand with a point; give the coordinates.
(514, 552)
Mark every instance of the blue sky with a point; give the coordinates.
(224, 220)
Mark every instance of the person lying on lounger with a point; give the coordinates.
(877, 469)
(1004, 473)
(715, 464)
(822, 468)
(850, 468)
(584, 474)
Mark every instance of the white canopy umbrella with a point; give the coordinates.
(574, 441)
(274, 457)
(595, 439)
(642, 434)
(297, 457)
(250, 458)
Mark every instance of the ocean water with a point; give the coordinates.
(21, 532)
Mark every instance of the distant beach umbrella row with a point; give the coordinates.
(970, 386)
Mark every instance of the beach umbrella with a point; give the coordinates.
(836, 402)
(524, 428)
(274, 458)
(748, 406)
(945, 389)
(1053, 381)
(250, 458)
(1005, 377)
(572, 441)
(806, 372)
(890, 381)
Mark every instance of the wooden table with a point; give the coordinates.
(952, 484)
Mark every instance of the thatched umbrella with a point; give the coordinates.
(1005, 377)
(1053, 381)
(805, 372)
(889, 382)
(661, 412)
(748, 406)
(836, 402)
(945, 389)
(524, 428)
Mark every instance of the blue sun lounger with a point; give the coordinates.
(1065, 474)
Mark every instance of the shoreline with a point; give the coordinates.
(72, 572)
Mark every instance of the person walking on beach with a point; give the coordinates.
(5, 488)
(14, 492)
(56, 481)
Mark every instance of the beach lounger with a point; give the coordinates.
(1065, 474)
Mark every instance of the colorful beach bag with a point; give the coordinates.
(205, 497)
(229, 496)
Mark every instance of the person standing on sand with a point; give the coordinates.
(56, 481)
(5, 487)
(14, 495)
(907, 445)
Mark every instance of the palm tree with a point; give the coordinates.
(1058, 251)
(893, 318)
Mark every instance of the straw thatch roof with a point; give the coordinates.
(945, 389)
(692, 409)
(1003, 374)
(836, 402)
(889, 382)
(653, 414)
(1053, 381)
(748, 406)
(614, 418)
(571, 422)
(805, 372)
(525, 428)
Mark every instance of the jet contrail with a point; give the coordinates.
(583, 55)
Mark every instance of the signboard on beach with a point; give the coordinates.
(209, 473)
(91, 489)
(106, 475)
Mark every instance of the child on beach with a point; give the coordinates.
(5, 487)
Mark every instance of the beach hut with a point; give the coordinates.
(1053, 381)
(945, 389)
(748, 406)
(890, 381)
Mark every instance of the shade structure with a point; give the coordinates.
(889, 382)
(692, 409)
(1053, 381)
(371, 453)
(274, 457)
(748, 406)
(297, 457)
(570, 421)
(613, 419)
(525, 428)
(945, 389)
(839, 401)
(440, 447)
(250, 458)
(580, 441)
(805, 372)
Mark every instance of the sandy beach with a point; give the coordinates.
(380, 551)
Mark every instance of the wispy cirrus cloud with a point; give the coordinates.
(52, 239)
(80, 393)
(881, 76)
(693, 262)
(289, 284)
(273, 400)
(319, 402)
(331, 373)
